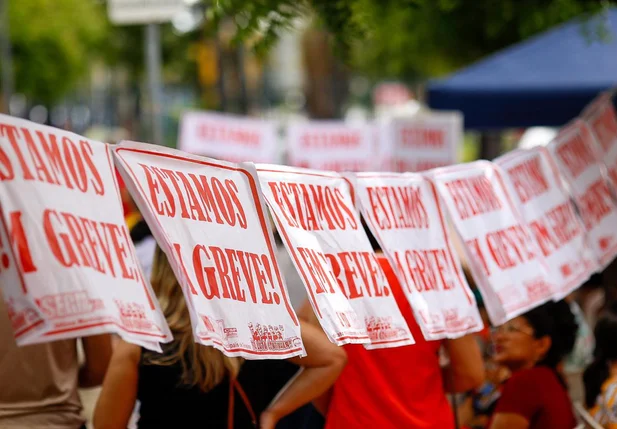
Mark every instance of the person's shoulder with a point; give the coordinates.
(531, 379)
(127, 352)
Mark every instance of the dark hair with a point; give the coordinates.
(555, 320)
(605, 352)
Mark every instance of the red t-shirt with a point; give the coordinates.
(537, 395)
(391, 388)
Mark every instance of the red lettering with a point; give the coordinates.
(478, 257)
(575, 155)
(75, 164)
(528, 179)
(473, 196)
(19, 242)
(86, 153)
(211, 289)
(10, 132)
(595, 204)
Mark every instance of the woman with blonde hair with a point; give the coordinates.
(191, 385)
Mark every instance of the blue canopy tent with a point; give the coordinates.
(545, 80)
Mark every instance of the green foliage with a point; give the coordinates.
(53, 43)
(409, 38)
(436, 37)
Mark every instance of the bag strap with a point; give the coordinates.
(233, 386)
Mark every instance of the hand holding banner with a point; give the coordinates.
(575, 154)
(547, 209)
(320, 228)
(75, 262)
(503, 257)
(209, 218)
(404, 213)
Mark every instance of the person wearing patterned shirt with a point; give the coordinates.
(601, 376)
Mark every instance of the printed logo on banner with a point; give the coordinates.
(421, 142)
(228, 137)
(602, 120)
(209, 218)
(323, 233)
(574, 153)
(550, 215)
(405, 215)
(331, 145)
(71, 246)
(502, 254)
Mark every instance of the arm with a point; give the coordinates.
(306, 314)
(117, 398)
(322, 365)
(97, 351)
(509, 421)
(466, 369)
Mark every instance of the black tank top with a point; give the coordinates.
(166, 403)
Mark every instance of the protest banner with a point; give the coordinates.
(534, 181)
(323, 233)
(65, 237)
(502, 255)
(23, 314)
(331, 145)
(601, 118)
(228, 137)
(209, 218)
(405, 215)
(576, 156)
(421, 142)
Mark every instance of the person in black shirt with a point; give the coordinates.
(191, 385)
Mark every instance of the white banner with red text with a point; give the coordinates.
(504, 259)
(74, 268)
(209, 218)
(546, 207)
(405, 214)
(331, 145)
(228, 137)
(322, 231)
(575, 153)
(420, 142)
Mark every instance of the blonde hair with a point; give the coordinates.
(202, 366)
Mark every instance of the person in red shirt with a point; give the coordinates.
(533, 346)
(401, 387)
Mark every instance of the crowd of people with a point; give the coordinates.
(522, 374)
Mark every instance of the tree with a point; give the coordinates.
(409, 38)
(53, 42)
